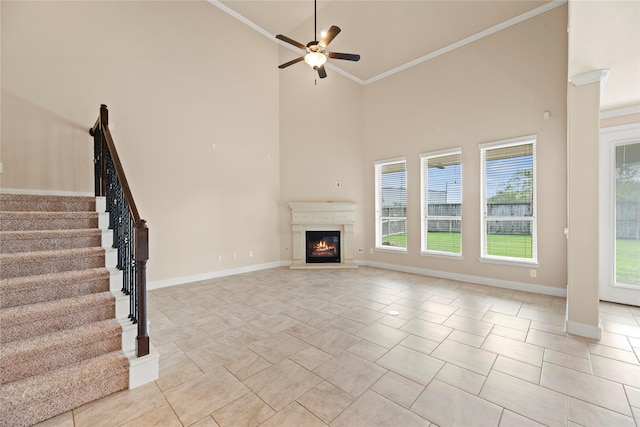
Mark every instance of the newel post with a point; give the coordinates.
(141, 257)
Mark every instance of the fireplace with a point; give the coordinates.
(322, 234)
(323, 246)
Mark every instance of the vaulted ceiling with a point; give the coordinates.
(392, 35)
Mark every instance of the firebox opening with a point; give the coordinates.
(323, 246)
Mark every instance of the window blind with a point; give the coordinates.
(508, 200)
(391, 204)
(442, 202)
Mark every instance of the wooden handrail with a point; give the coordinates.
(140, 238)
(103, 120)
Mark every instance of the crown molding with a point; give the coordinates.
(446, 49)
(617, 112)
(474, 37)
(590, 77)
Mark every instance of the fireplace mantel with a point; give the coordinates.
(310, 216)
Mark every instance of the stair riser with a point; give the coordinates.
(60, 342)
(27, 267)
(30, 203)
(52, 223)
(34, 244)
(17, 297)
(26, 365)
(36, 411)
(37, 407)
(26, 327)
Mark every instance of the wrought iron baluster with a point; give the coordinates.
(134, 284)
(111, 184)
(119, 226)
(130, 232)
(132, 274)
(126, 258)
(97, 162)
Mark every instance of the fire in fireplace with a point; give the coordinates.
(323, 246)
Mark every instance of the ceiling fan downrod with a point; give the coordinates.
(315, 52)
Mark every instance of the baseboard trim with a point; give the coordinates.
(506, 284)
(143, 370)
(157, 284)
(583, 330)
(45, 192)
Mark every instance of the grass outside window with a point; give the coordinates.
(497, 244)
(395, 240)
(627, 250)
(628, 262)
(439, 241)
(509, 245)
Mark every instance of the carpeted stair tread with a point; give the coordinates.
(45, 255)
(60, 343)
(27, 321)
(31, 202)
(44, 310)
(34, 399)
(24, 358)
(25, 290)
(20, 221)
(41, 262)
(43, 240)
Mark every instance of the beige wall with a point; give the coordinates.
(278, 137)
(321, 143)
(496, 88)
(42, 150)
(619, 120)
(175, 84)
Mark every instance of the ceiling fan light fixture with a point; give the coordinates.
(315, 51)
(315, 59)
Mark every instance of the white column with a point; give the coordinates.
(583, 137)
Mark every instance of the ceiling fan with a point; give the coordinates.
(316, 52)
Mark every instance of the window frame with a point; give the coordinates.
(424, 203)
(484, 218)
(378, 208)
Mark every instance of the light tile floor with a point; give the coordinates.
(318, 347)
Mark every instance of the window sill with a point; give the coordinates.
(510, 262)
(391, 249)
(446, 255)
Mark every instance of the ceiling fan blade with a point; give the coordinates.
(294, 61)
(291, 41)
(331, 34)
(347, 56)
(322, 72)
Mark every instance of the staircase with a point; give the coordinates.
(60, 342)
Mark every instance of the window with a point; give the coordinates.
(441, 179)
(391, 205)
(508, 197)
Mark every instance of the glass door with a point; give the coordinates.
(620, 214)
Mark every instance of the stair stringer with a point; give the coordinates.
(142, 370)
